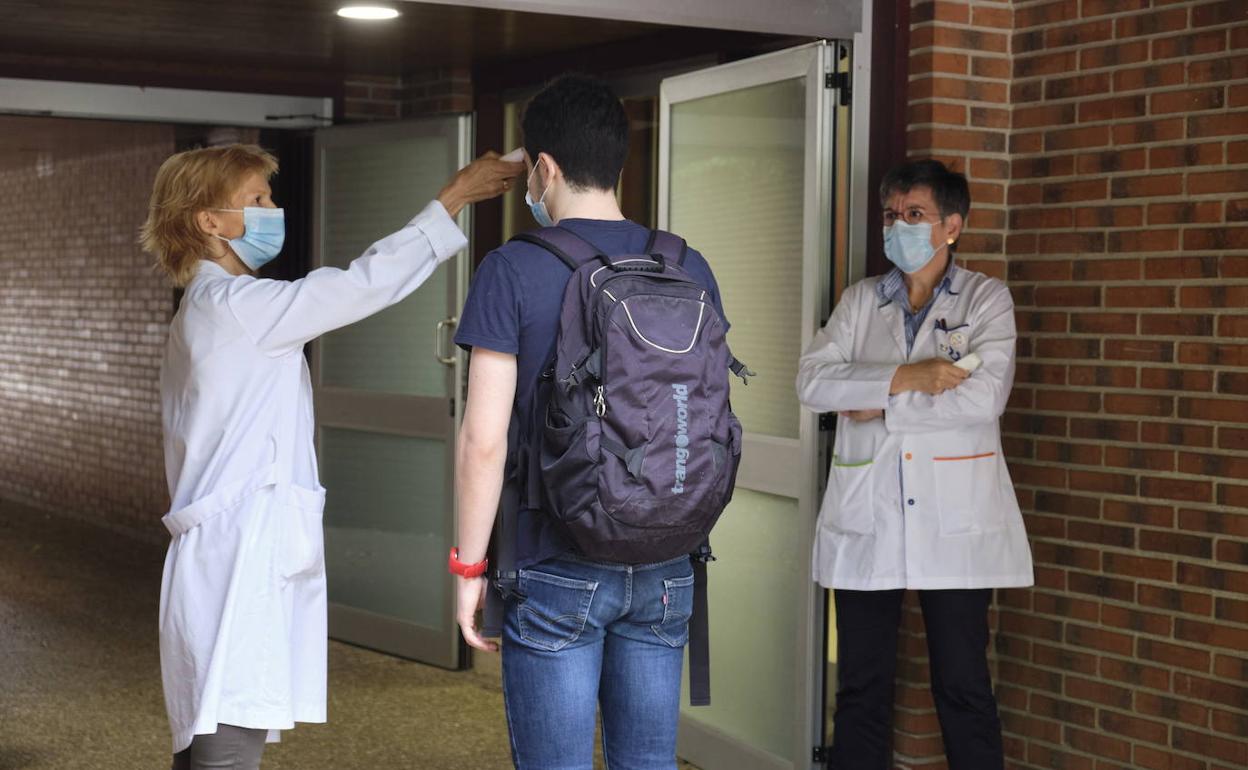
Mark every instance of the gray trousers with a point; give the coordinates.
(229, 748)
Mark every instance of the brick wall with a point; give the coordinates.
(437, 90)
(82, 323)
(1107, 144)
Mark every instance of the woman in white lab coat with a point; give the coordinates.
(919, 364)
(243, 607)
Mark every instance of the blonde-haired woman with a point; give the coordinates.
(243, 607)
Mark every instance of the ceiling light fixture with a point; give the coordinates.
(368, 12)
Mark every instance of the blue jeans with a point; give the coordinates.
(582, 636)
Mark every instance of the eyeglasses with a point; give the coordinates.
(911, 216)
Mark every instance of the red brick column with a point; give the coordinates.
(959, 94)
(1114, 177)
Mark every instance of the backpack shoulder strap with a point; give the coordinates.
(571, 249)
(671, 246)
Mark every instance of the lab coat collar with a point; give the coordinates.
(891, 293)
(895, 323)
(942, 303)
(208, 268)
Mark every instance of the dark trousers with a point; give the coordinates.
(867, 624)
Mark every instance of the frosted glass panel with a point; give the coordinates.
(369, 192)
(385, 523)
(752, 621)
(737, 166)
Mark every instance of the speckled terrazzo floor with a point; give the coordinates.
(80, 675)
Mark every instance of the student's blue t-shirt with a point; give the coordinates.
(513, 307)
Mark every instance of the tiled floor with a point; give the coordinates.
(80, 675)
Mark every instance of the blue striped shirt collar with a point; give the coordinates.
(892, 287)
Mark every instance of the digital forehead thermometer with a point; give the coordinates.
(970, 362)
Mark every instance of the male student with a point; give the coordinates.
(578, 635)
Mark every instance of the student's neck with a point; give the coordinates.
(592, 204)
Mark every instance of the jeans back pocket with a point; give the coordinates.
(677, 609)
(554, 610)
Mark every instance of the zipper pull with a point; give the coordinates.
(600, 402)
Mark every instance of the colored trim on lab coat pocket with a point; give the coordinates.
(853, 496)
(301, 553)
(968, 493)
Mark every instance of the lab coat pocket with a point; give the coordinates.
(302, 550)
(850, 504)
(952, 343)
(968, 493)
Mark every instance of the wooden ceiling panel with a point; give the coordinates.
(304, 35)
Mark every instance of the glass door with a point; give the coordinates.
(387, 396)
(746, 176)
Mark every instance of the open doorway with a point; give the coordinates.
(747, 159)
(507, 55)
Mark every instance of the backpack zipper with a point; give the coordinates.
(600, 398)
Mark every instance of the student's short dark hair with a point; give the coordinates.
(579, 121)
(949, 188)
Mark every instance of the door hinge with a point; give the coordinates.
(827, 422)
(452, 407)
(841, 82)
(821, 755)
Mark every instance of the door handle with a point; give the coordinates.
(439, 338)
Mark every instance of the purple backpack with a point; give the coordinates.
(639, 447)
(636, 450)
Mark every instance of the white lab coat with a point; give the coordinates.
(957, 522)
(243, 607)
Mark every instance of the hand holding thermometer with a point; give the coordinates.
(515, 156)
(969, 362)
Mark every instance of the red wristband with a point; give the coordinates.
(457, 567)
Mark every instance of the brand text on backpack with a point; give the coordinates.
(681, 397)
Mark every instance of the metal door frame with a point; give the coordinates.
(774, 465)
(404, 415)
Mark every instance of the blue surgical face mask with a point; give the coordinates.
(540, 212)
(264, 232)
(909, 247)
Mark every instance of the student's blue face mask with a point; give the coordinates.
(264, 232)
(540, 212)
(909, 247)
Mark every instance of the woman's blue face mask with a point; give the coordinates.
(264, 232)
(909, 247)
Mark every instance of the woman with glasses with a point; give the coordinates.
(918, 363)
